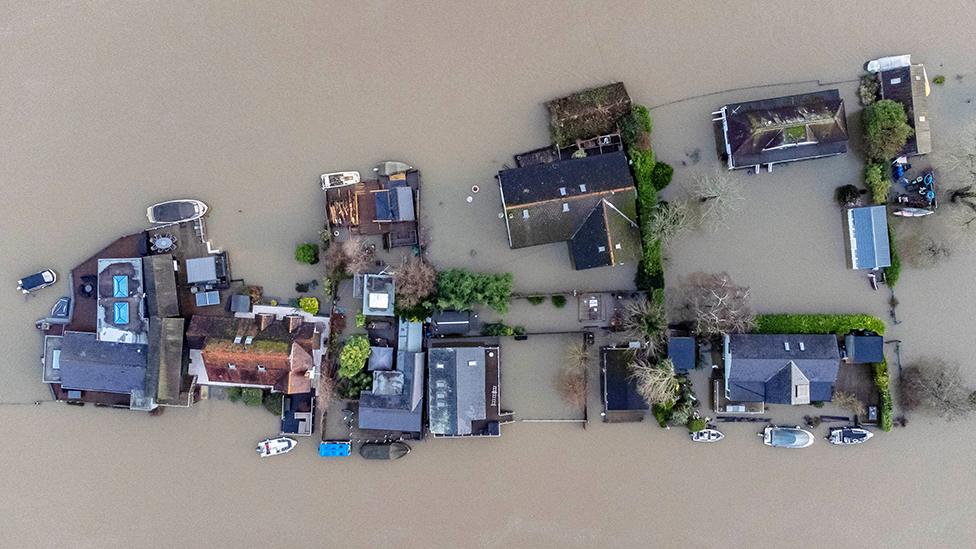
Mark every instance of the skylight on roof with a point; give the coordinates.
(120, 286)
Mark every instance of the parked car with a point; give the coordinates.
(786, 437)
(36, 281)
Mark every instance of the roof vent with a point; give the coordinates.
(565, 207)
(562, 191)
(802, 348)
(786, 345)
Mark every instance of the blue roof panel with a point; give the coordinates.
(869, 237)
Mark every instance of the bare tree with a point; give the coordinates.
(571, 379)
(670, 220)
(656, 383)
(646, 321)
(922, 250)
(415, 280)
(849, 401)
(933, 385)
(335, 260)
(326, 391)
(717, 305)
(959, 169)
(359, 255)
(717, 198)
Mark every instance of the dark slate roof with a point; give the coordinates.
(608, 236)
(682, 352)
(757, 130)
(759, 362)
(164, 378)
(864, 349)
(91, 365)
(160, 283)
(619, 390)
(451, 322)
(400, 410)
(906, 85)
(868, 227)
(589, 246)
(456, 389)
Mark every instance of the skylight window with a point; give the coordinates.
(562, 191)
(565, 207)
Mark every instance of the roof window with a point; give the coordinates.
(565, 207)
(562, 191)
(248, 340)
(786, 345)
(525, 214)
(601, 249)
(583, 187)
(802, 347)
(261, 368)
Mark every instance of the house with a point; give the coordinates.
(683, 352)
(86, 363)
(209, 271)
(263, 351)
(447, 323)
(909, 85)
(393, 403)
(590, 203)
(298, 414)
(863, 349)
(782, 129)
(780, 369)
(463, 396)
(621, 401)
(867, 230)
(378, 295)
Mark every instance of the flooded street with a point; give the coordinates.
(107, 108)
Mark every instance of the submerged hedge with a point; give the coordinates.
(840, 324)
(882, 382)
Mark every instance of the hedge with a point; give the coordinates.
(877, 180)
(893, 272)
(882, 381)
(661, 175)
(840, 324)
(252, 396)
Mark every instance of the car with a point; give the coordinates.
(36, 281)
(786, 437)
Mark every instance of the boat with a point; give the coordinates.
(888, 63)
(707, 435)
(176, 211)
(386, 450)
(37, 281)
(61, 308)
(786, 437)
(912, 212)
(339, 179)
(391, 167)
(275, 446)
(847, 436)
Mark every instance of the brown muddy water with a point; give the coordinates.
(108, 107)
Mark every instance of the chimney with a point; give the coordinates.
(294, 322)
(264, 320)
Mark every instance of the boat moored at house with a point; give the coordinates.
(37, 281)
(848, 436)
(389, 450)
(786, 437)
(176, 211)
(275, 446)
(707, 435)
(339, 179)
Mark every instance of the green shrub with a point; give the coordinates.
(840, 324)
(882, 381)
(252, 396)
(536, 299)
(697, 424)
(634, 125)
(307, 253)
(309, 304)
(939, 80)
(234, 394)
(458, 289)
(272, 402)
(877, 181)
(817, 404)
(351, 387)
(500, 329)
(893, 273)
(642, 163)
(846, 194)
(885, 128)
(559, 301)
(661, 175)
(662, 413)
(353, 356)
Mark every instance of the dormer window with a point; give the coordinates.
(248, 340)
(231, 366)
(261, 368)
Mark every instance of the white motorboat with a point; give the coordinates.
(786, 437)
(339, 179)
(275, 446)
(846, 436)
(888, 63)
(707, 435)
(392, 167)
(37, 281)
(176, 211)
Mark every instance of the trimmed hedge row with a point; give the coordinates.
(882, 381)
(893, 273)
(840, 324)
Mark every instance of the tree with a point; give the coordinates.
(656, 383)
(353, 356)
(886, 130)
(635, 125)
(933, 385)
(335, 261)
(309, 304)
(359, 255)
(645, 321)
(661, 175)
(849, 401)
(877, 181)
(717, 197)
(307, 253)
(415, 281)
(571, 379)
(460, 290)
(669, 220)
(717, 305)
(847, 195)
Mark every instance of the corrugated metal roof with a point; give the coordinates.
(868, 228)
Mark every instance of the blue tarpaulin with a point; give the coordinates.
(334, 449)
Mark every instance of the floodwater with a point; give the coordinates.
(108, 107)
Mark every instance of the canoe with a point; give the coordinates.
(392, 167)
(707, 435)
(176, 211)
(389, 450)
(786, 437)
(275, 446)
(846, 436)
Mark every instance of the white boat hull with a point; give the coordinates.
(339, 179)
(275, 446)
(176, 211)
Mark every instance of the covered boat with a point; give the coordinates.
(846, 436)
(37, 281)
(912, 212)
(275, 446)
(176, 211)
(339, 179)
(707, 435)
(388, 450)
(786, 437)
(391, 167)
(888, 63)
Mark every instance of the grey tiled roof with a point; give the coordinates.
(759, 361)
(456, 389)
(91, 365)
